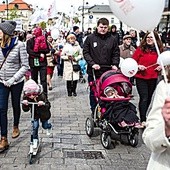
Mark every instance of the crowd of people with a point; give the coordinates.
(24, 63)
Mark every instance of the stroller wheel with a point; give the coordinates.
(89, 127)
(133, 139)
(105, 140)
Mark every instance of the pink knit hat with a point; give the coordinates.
(31, 87)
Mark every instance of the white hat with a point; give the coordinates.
(31, 87)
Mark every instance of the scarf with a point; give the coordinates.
(8, 47)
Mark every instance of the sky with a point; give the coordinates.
(65, 5)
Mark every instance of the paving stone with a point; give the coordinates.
(68, 119)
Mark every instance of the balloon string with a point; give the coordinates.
(151, 65)
(161, 63)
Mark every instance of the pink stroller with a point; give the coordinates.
(114, 113)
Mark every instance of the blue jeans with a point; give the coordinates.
(16, 91)
(45, 125)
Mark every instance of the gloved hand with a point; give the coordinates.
(40, 103)
(9, 82)
(25, 102)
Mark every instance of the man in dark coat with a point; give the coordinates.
(100, 48)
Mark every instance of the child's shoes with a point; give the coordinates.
(35, 143)
(49, 131)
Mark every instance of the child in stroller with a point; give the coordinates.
(128, 117)
(114, 112)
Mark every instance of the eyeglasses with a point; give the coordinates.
(103, 27)
(149, 37)
(31, 94)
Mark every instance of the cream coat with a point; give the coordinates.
(50, 56)
(68, 73)
(154, 135)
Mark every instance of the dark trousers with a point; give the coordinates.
(42, 70)
(92, 98)
(16, 91)
(145, 90)
(71, 86)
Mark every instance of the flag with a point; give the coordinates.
(38, 16)
(52, 12)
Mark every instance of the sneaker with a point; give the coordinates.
(143, 124)
(35, 143)
(122, 124)
(48, 131)
(140, 125)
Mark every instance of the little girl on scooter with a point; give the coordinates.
(34, 93)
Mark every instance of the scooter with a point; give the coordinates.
(33, 151)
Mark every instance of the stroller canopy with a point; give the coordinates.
(111, 77)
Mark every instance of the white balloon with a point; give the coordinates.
(69, 49)
(129, 67)
(164, 58)
(140, 14)
(55, 33)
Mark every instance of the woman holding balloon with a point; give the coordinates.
(148, 71)
(156, 136)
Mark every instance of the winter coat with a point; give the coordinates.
(33, 54)
(40, 43)
(42, 112)
(154, 134)
(16, 63)
(102, 50)
(68, 73)
(126, 52)
(51, 55)
(147, 59)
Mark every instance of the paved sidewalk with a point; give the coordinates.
(70, 140)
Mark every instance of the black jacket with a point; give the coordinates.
(42, 112)
(102, 50)
(32, 54)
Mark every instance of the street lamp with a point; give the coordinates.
(83, 15)
(6, 7)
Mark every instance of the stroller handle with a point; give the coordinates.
(103, 66)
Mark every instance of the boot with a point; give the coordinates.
(69, 88)
(15, 132)
(74, 88)
(3, 144)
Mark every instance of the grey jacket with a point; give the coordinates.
(16, 63)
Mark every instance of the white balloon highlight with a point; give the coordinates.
(140, 14)
(55, 33)
(164, 58)
(129, 67)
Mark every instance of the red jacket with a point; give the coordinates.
(147, 59)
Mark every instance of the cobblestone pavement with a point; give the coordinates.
(69, 139)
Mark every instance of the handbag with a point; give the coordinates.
(76, 67)
(54, 59)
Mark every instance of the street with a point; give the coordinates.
(69, 148)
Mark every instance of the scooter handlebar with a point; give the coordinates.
(33, 103)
